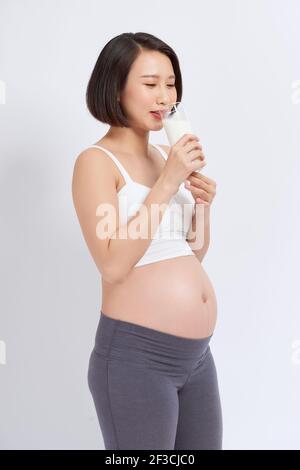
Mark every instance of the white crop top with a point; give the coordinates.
(169, 240)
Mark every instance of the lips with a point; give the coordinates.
(156, 114)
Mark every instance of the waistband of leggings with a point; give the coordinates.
(139, 331)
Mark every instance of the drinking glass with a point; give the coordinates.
(176, 122)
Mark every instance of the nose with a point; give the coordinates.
(162, 103)
(164, 100)
(165, 104)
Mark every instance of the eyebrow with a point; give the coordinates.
(156, 76)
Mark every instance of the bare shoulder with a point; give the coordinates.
(92, 155)
(96, 161)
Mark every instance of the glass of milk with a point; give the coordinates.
(176, 123)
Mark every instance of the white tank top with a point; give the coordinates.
(169, 240)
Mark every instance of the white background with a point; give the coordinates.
(240, 64)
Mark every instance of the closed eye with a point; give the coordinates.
(151, 84)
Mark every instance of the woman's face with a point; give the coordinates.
(144, 94)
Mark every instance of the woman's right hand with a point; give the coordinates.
(185, 156)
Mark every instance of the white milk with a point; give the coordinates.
(175, 128)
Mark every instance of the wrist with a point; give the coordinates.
(167, 185)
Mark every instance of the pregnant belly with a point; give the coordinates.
(174, 296)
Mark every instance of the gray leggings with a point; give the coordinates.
(154, 390)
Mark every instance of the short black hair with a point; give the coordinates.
(110, 73)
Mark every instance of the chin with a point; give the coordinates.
(157, 125)
(155, 128)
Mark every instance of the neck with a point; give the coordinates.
(131, 141)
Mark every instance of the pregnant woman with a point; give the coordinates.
(151, 372)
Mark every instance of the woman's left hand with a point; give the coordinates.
(202, 188)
